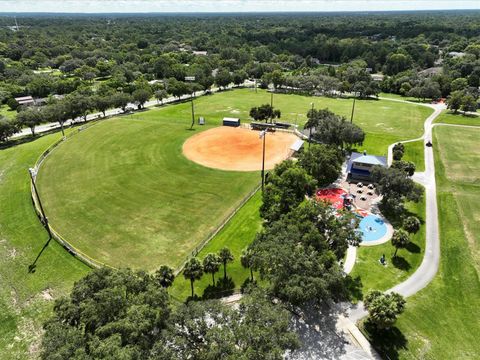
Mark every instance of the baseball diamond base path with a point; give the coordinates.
(237, 149)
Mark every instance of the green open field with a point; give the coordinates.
(26, 298)
(441, 322)
(458, 119)
(128, 176)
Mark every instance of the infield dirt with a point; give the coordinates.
(237, 149)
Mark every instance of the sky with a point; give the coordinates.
(139, 6)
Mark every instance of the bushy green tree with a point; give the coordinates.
(212, 330)
(299, 253)
(30, 117)
(164, 276)
(383, 309)
(286, 187)
(407, 166)
(322, 162)
(332, 129)
(113, 313)
(411, 224)
(7, 128)
(396, 187)
(265, 112)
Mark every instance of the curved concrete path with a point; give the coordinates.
(431, 260)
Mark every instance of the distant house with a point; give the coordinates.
(360, 165)
(377, 77)
(25, 101)
(431, 71)
(456, 54)
(200, 53)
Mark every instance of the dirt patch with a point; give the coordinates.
(237, 149)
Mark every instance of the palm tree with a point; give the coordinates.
(226, 256)
(400, 239)
(247, 261)
(211, 264)
(193, 271)
(412, 224)
(164, 276)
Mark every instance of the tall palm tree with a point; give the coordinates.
(164, 276)
(211, 264)
(247, 261)
(193, 271)
(400, 239)
(226, 256)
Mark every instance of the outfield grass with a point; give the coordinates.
(441, 322)
(24, 300)
(458, 119)
(236, 235)
(373, 275)
(150, 205)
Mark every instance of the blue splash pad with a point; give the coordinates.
(372, 227)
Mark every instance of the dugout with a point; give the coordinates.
(234, 122)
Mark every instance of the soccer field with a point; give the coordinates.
(123, 193)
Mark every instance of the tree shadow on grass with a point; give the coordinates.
(413, 248)
(354, 287)
(223, 287)
(400, 263)
(387, 342)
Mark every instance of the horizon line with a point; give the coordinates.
(235, 12)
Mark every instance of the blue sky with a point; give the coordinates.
(95, 6)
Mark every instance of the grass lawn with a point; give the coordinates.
(384, 121)
(441, 322)
(25, 297)
(5, 111)
(415, 152)
(405, 98)
(236, 235)
(458, 119)
(373, 275)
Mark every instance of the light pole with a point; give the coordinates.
(191, 78)
(310, 134)
(353, 109)
(33, 174)
(263, 135)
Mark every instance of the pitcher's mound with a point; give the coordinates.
(237, 149)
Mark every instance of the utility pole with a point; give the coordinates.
(193, 114)
(191, 79)
(263, 135)
(33, 175)
(310, 134)
(353, 110)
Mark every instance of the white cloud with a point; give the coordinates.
(93, 6)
